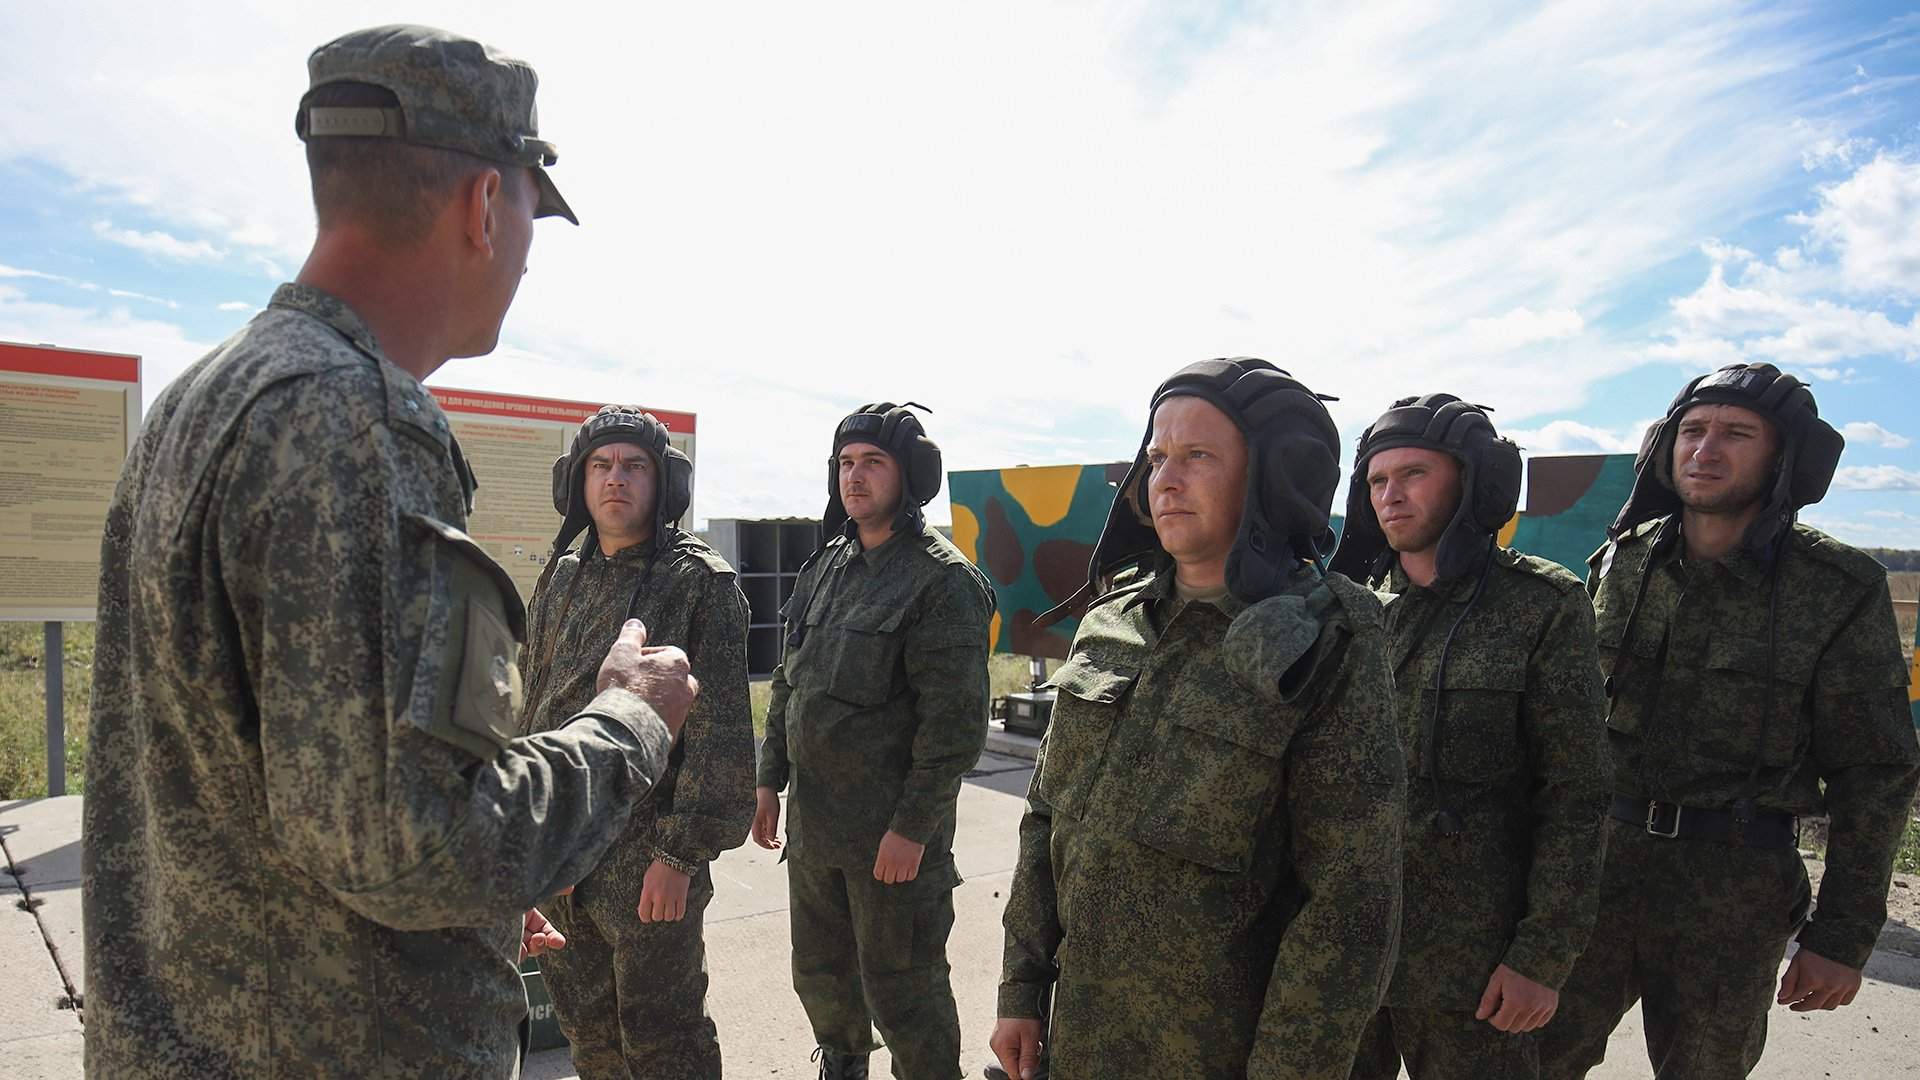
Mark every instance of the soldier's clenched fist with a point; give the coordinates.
(658, 674)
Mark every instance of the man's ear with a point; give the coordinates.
(480, 204)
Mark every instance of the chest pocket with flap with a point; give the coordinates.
(1092, 691)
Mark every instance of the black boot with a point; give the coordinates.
(840, 1066)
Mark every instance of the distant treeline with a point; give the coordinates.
(1896, 559)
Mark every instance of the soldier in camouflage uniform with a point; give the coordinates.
(1209, 867)
(311, 838)
(879, 708)
(1497, 687)
(630, 987)
(1754, 676)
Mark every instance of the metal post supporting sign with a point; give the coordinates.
(56, 663)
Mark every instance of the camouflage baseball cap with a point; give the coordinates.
(454, 93)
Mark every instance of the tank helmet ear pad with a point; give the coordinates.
(620, 424)
(1293, 466)
(1810, 449)
(1489, 483)
(897, 430)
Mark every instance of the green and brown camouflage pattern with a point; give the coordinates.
(1699, 693)
(1210, 860)
(1444, 1044)
(1695, 932)
(629, 993)
(882, 708)
(869, 955)
(1522, 760)
(1032, 529)
(308, 845)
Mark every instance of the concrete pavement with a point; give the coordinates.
(763, 1032)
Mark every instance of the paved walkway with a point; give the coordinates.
(762, 1029)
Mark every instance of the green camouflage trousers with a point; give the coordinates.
(1695, 932)
(631, 996)
(868, 955)
(1443, 1044)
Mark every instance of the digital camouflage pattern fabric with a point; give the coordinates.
(631, 995)
(1444, 1043)
(1522, 760)
(882, 707)
(1521, 756)
(1709, 683)
(877, 712)
(310, 838)
(1209, 867)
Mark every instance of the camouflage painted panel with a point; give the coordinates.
(1570, 502)
(1913, 681)
(1032, 530)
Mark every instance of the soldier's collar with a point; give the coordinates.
(1160, 588)
(879, 558)
(1743, 562)
(1456, 588)
(328, 309)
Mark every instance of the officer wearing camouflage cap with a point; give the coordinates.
(1209, 870)
(1753, 676)
(1497, 691)
(629, 988)
(879, 708)
(312, 838)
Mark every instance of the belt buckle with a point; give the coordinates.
(1653, 814)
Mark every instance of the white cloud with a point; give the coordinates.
(1843, 376)
(1872, 434)
(1384, 199)
(1781, 310)
(129, 294)
(1573, 437)
(164, 347)
(159, 243)
(236, 305)
(1871, 220)
(1523, 326)
(1876, 478)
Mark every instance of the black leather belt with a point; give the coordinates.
(1670, 821)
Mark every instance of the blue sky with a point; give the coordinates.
(1027, 214)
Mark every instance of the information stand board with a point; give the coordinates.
(511, 441)
(67, 419)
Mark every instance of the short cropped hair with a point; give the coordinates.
(392, 188)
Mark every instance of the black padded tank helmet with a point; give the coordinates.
(1293, 466)
(1809, 450)
(1489, 483)
(623, 424)
(898, 431)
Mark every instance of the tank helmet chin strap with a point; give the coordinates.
(896, 430)
(1810, 451)
(1293, 466)
(1490, 472)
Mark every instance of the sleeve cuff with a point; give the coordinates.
(1839, 942)
(630, 711)
(1021, 1001)
(1548, 967)
(685, 866)
(910, 827)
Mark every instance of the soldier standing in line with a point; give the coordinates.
(879, 708)
(630, 987)
(1497, 687)
(1209, 867)
(1753, 671)
(311, 837)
